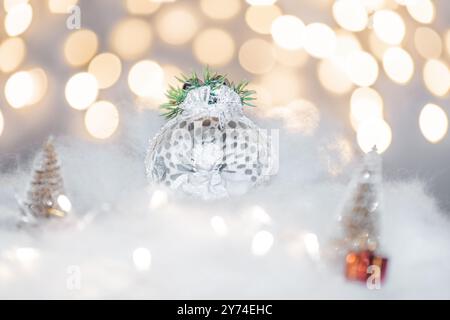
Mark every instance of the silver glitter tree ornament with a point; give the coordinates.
(360, 219)
(46, 198)
(208, 148)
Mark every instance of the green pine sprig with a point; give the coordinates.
(214, 80)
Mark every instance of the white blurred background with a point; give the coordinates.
(377, 70)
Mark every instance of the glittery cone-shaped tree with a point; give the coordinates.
(360, 222)
(46, 198)
(360, 218)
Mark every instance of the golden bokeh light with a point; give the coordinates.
(362, 68)
(319, 40)
(291, 58)
(101, 119)
(170, 73)
(350, 14)
(61, 6)
(288, 32)
(428, 43)
(219, 9)
(257, 56)
(389, 26)
(146, 79)
(373, 5)
(106, 67)
(365, 104)
(398, 65)
(9, 4)
(40, 85)
(81, 90)
(377, 47)
(214, 47)
(333, 77)
(142, 6)
(260, 18)
(131, 38)
(19, 89)
(260, 2)
(281, 86)
(374, 132)
(176, 26)
(436, 76)
(12, 53)
(80, 47)
(433, 123)
(422, 11)
(18, 19)
(346, 43)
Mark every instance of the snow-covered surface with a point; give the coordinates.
(206, 249)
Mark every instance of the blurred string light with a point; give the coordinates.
(142, 259)
(61, 6)
(80, 47)
(436, 76)
(319, 40)
(428, 43)
(312, 246)
(288, 32)
(219, 9)
(12, 54)
(377, 47)
(124, 38)
(260, 18)
(388, 26)
(176, 25)
(260, 2)
(257, 56)
(398, 65)
(9, 4)
(219, 226)
(81, 90)
(361, 68)
(290, 58)
(214, 47)
(25, 88)
(433, 123)
(27, 256)
(170, 72)
(333, 77)
(158, 199)
(350, 14)
(106, 67)
(18, 19)
(101, 119)
(422, 11)
(374, 132)
(281, 85)
(64, 203)
(262, 242)
(365, 104)
(146, 79)
(142, 7)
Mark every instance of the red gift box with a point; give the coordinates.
(362, 265)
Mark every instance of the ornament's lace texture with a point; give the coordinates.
(210, 150)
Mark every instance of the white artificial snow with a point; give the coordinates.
(126, 240)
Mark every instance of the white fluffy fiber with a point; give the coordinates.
(106, 183)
